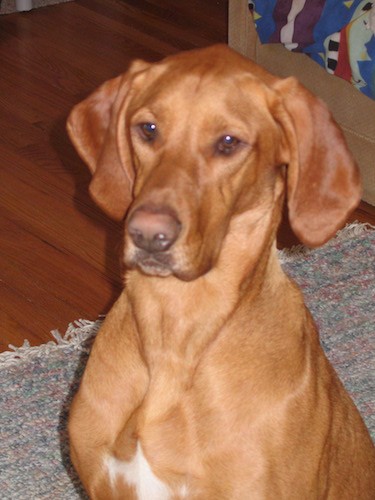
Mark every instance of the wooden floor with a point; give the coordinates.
(59, 255)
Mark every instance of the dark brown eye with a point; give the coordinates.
(227, 144)
(148, 131)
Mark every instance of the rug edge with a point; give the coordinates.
(75, 337)
(351, 230)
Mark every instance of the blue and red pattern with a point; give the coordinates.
(339, 35)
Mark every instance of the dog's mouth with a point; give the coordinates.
(159, 264)
(162, 265)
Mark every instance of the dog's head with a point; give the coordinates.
(183, 146)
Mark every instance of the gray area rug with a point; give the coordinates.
(10, 6)
(37, 384)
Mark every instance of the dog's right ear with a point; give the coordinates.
(323, 179)
(96, 126)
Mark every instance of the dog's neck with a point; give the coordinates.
(178, 319)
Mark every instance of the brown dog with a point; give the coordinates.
(207, 380)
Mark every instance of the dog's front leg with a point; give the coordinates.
(103, 412)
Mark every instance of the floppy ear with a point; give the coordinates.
(96, 127)
(323, 179)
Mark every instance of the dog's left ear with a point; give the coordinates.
(96, 127)
(323, 179)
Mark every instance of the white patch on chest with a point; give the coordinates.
(138, 474)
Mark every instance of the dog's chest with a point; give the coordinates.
(163, 428)
(138, 474)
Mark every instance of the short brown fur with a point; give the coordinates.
(210, 358)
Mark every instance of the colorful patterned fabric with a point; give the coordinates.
(339, 35)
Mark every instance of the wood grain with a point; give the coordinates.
(60, 257)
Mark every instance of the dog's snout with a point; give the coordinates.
(153, 231)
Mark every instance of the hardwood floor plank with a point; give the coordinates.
(33, 258)
(52, 218)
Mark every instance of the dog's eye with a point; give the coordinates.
(227, 144)
(148, 131)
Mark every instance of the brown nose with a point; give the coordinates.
(153, 231)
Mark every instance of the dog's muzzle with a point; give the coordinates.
(153, 233)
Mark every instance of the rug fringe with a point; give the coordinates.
(78, 336)
(351, 230)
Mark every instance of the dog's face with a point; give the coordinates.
(197, 163)
(184, 146)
